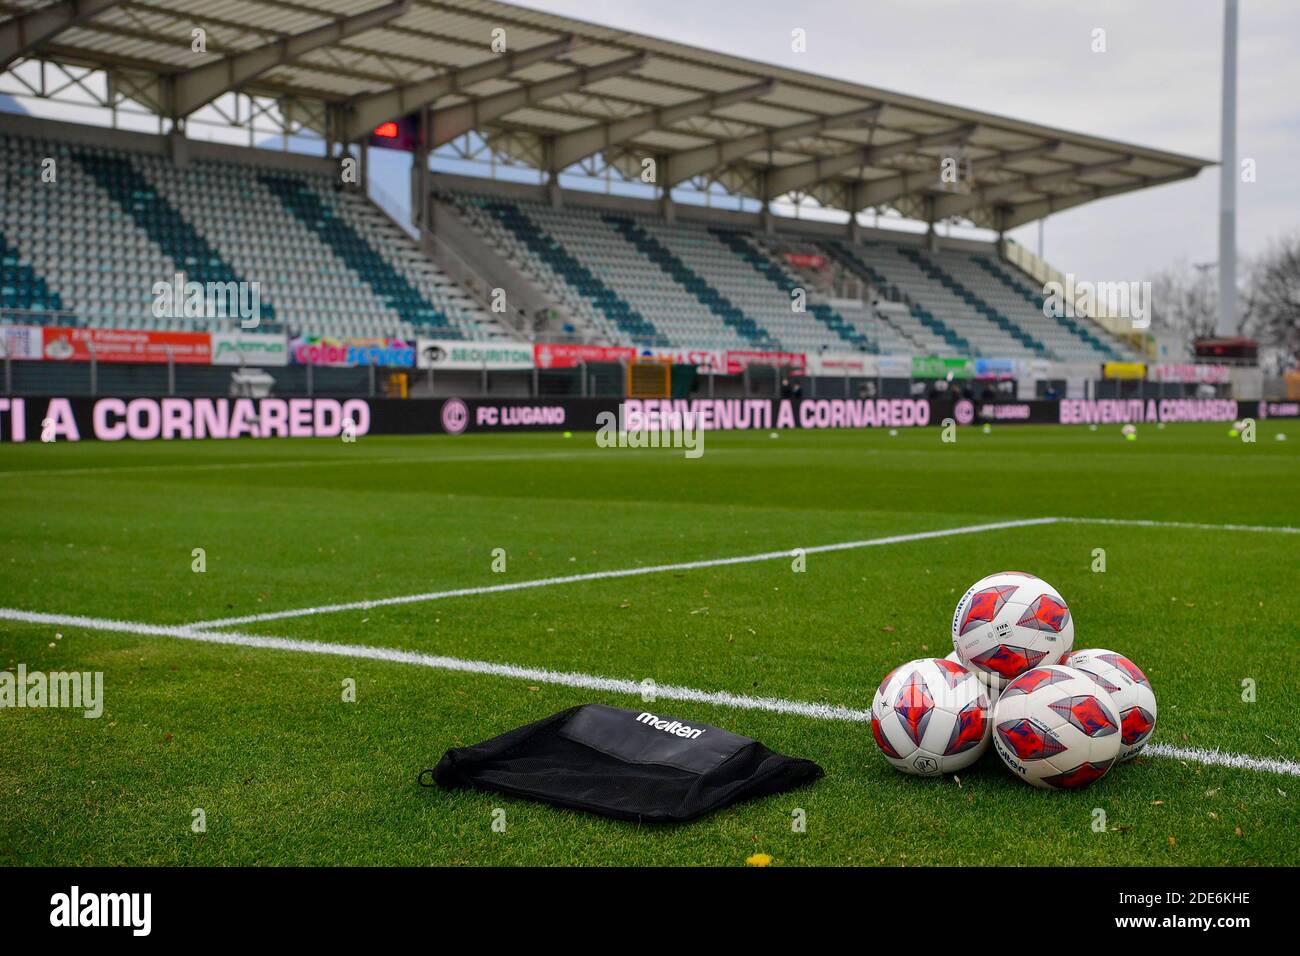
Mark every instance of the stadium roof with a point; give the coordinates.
(565, 90)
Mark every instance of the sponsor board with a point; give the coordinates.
(931, 366)
(571, 356)
(738, 361)
(1005, 412)
(995, 368)
(1278, 410)
(704, 360)
(1124, 371)
(843, 363)
(331, 352)
(126, 345)
(1191, 374)
(744, 413)
(57, 420)
(1106, 411)
(249, 348)
(24, 342)
(806, 260)
(33, 419)
(460, 354)
(894, 366)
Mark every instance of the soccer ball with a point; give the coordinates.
(1056, 729)
(1009, 622)
(1129, 688)
(1128, 430)
(931, 717)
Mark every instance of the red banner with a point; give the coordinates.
(806, 260)
(122, 345)
(571, 356)
(737, 362)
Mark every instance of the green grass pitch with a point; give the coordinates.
(286, 772)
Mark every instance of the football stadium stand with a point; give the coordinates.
(636, 265)
(331, 263)
(643, 281)
(89, 247)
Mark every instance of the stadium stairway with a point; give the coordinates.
(674, 268)
(20, 286)
(551, 252)
(858, 304)
(928, 331)
(765, 267)
(156, 216)
(388, 284)
(944, 278)
(1098, 347)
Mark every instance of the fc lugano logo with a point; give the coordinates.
(455, 416)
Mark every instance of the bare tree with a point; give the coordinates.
(1185, 299)
(1272, 303)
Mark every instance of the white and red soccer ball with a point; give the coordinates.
(1009, 623)
(931, 717)
(1129, 688)
(1055, 728)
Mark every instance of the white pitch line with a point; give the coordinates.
(1217, 758)
(539, 675)
(1195, 526)
(616, 573)
(713, 562)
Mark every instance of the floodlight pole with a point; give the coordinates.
(1227, 324)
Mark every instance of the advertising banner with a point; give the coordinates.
(995, 368)
(806, 260)
(1124, 371)
(55, 420)
(931, 366)
(249, 348)
(738, 361)
(894, 366)
(126, 345)
(37, 419)
(1271, 409)
(843, 363)
(1191, 374)
(704, 360)
(1107, 411)
(461, 355)
(24, 342)
(330, 352)
(558, 355)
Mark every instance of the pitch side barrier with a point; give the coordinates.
(148, 418)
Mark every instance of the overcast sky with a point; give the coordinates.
(1157, 84)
